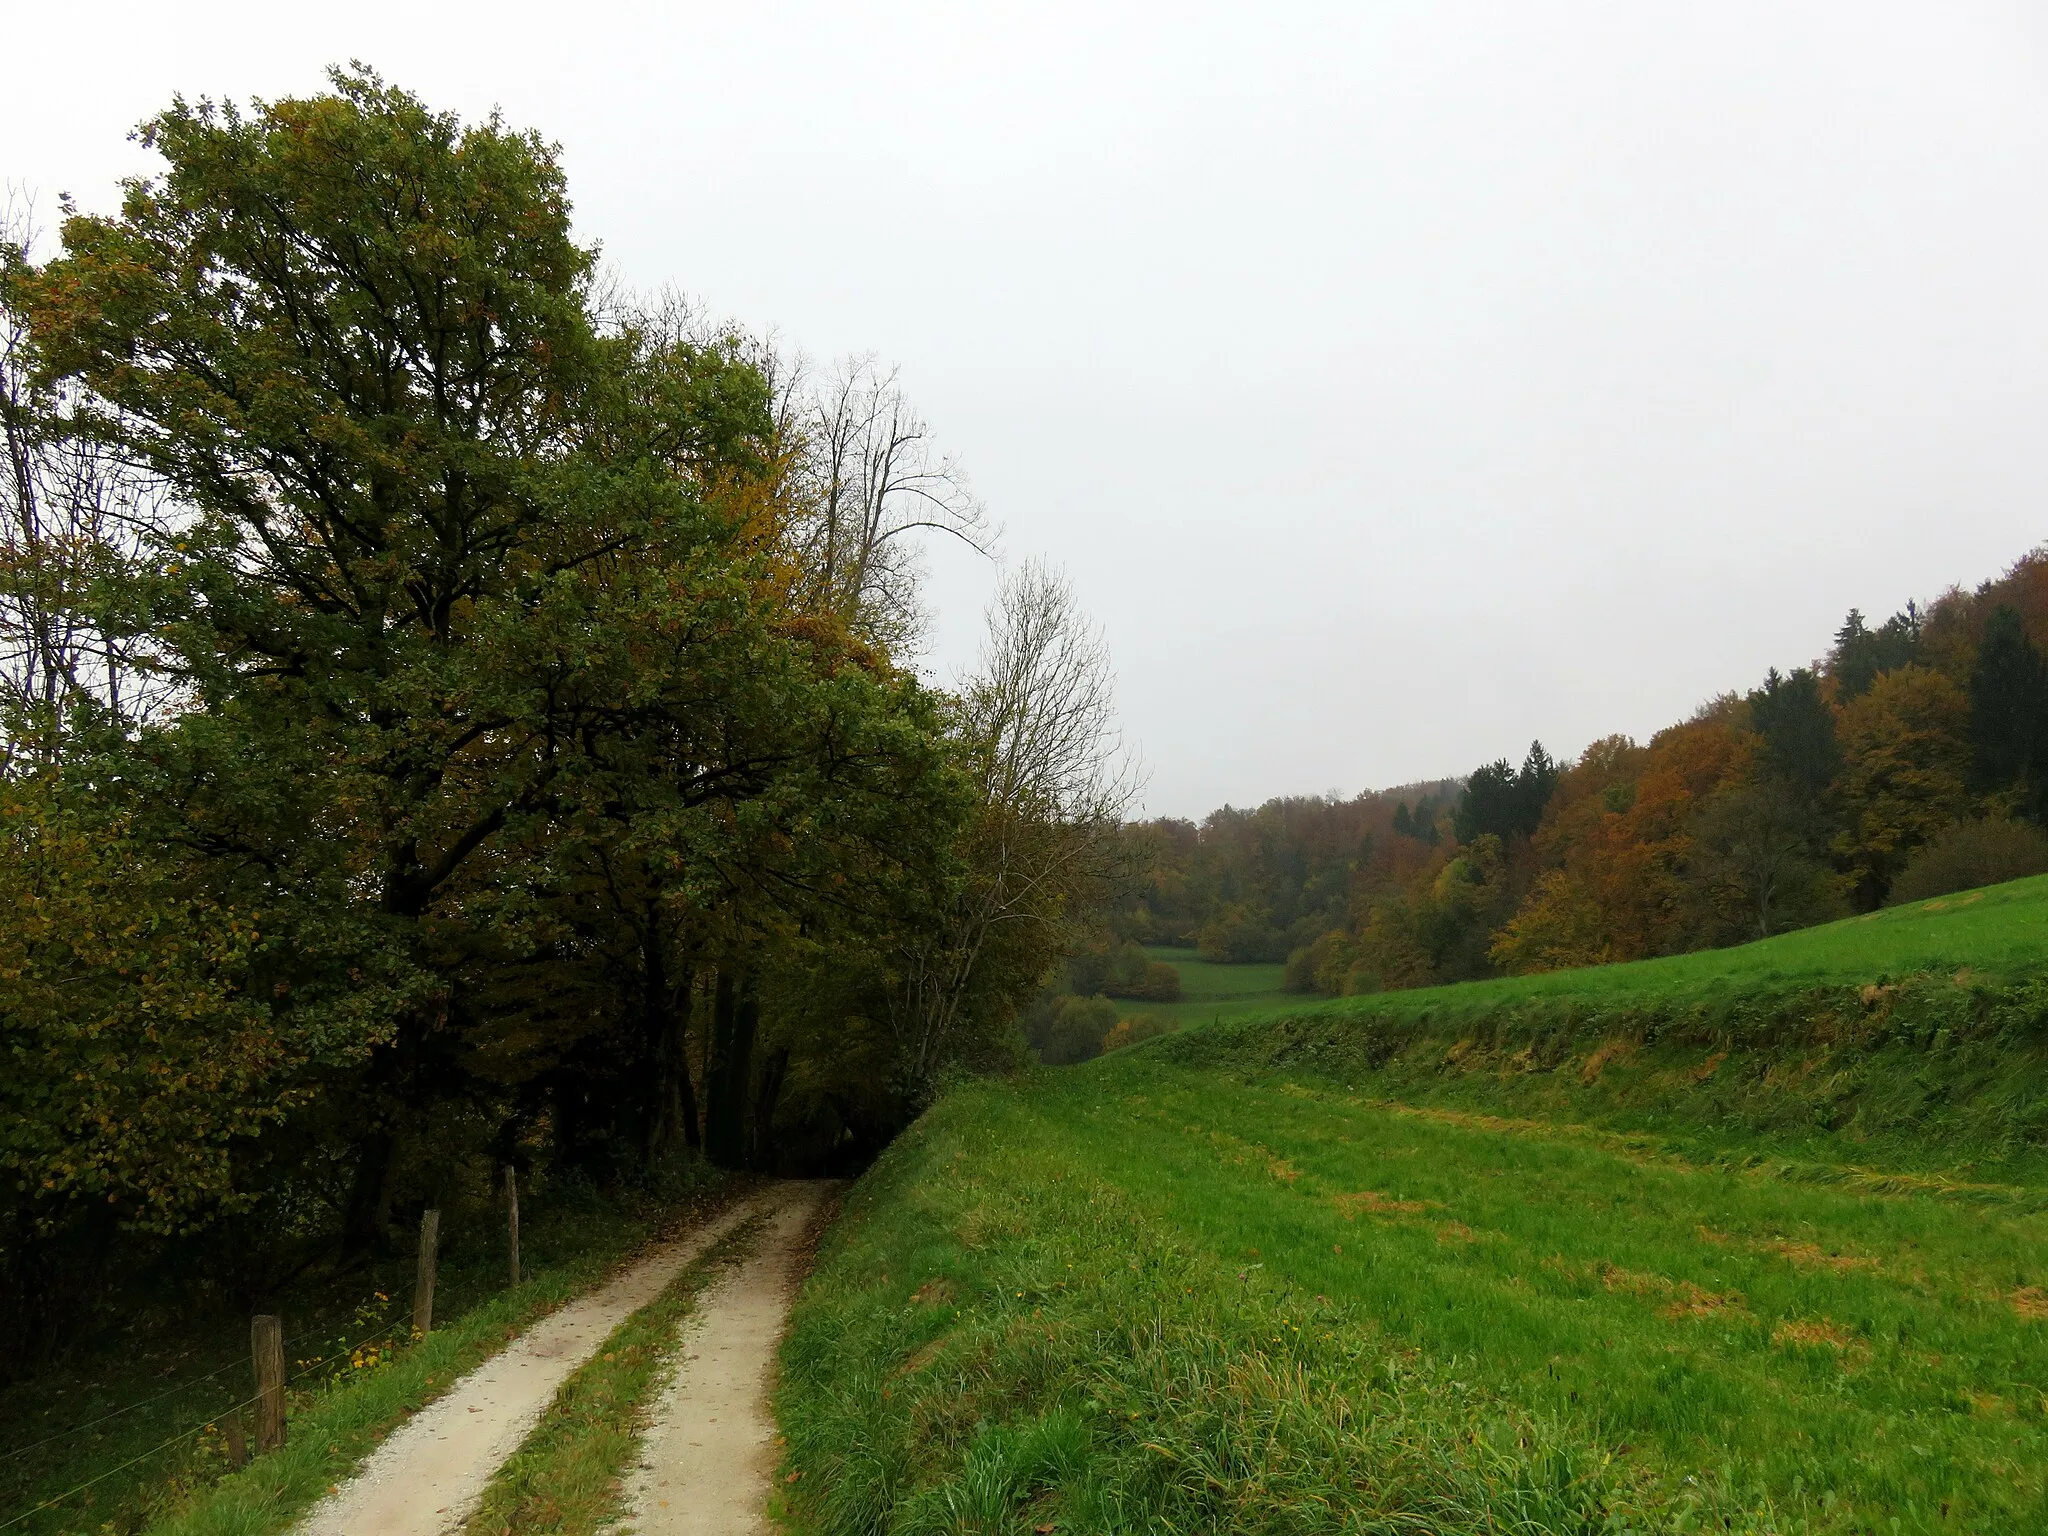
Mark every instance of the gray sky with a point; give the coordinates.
(1396, 382)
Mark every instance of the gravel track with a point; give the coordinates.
(427, 1478)
(709, 1456)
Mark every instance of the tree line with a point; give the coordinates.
(1911, 760)
(458, 714)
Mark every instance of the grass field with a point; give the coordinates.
(1208, 992)
(1753, 1240)
(1999, 933)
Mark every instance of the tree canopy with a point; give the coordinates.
(483, 734)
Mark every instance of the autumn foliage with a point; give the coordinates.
(1808, 797)
(452, 716)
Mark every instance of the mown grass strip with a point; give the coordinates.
(1139, 1297)
(1000, 1339)
(1883, 1352)
(568, 1477)
(331, 1436)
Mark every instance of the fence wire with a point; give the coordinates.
(197, 1429)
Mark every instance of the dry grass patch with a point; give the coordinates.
(1819, 1333)
(1371, 1202)
(2030, 1302)
(1811, 1256)
(923, 1355)
(1680, 1298)
(1805, 1256)
(1619, 1049)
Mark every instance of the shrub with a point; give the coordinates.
(1361, 979)
(1156, 982)
(1133, 1028)
(1240, 936)
(1319, 966)
(1075, 1030)
(1122, 971)
(1300, 974)
(1969, 854)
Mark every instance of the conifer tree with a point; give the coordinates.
(2009, 714)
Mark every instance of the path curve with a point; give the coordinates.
(709, 1457)
(429, 1475)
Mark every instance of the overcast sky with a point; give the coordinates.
(1397, 383)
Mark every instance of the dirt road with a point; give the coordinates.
(427, 1478)
(709, 1456)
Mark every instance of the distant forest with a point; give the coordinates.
(1910, 761)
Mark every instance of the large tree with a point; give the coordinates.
(1798, 731)
(1041, 846)
(444, 534)
(1504, 802)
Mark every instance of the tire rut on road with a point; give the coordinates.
(708, 1460)
(427, 1478)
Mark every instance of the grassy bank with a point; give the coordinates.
(162, 1464)
(1999, 933)
(1752, 1240)
(1914, 1039)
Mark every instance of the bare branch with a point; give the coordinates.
(72, 512)
(866, 475)
(1038, 728)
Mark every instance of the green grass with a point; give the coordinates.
(566, 1480)
(1913, 1038)
(147, 1471)
(1749, 1240)
(1208, 991)
(2000, 932)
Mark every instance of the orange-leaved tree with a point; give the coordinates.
(1906, 753)
(1618, 834)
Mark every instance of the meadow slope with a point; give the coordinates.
(1751, 1240)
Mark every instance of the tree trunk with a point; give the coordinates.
(686, 1090)
(369, 1198)
(772, 1075)
(736, 1014)
(672, 1098)
(653, 1053)
(679, 1101)
(672, 1103)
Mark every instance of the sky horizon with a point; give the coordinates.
(1396, 385)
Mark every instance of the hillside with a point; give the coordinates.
(1755, 1240)
(1909, 761)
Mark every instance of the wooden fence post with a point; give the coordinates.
(266, 1344)
(512, 1219)
(238, 1440)
(423, 1284)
